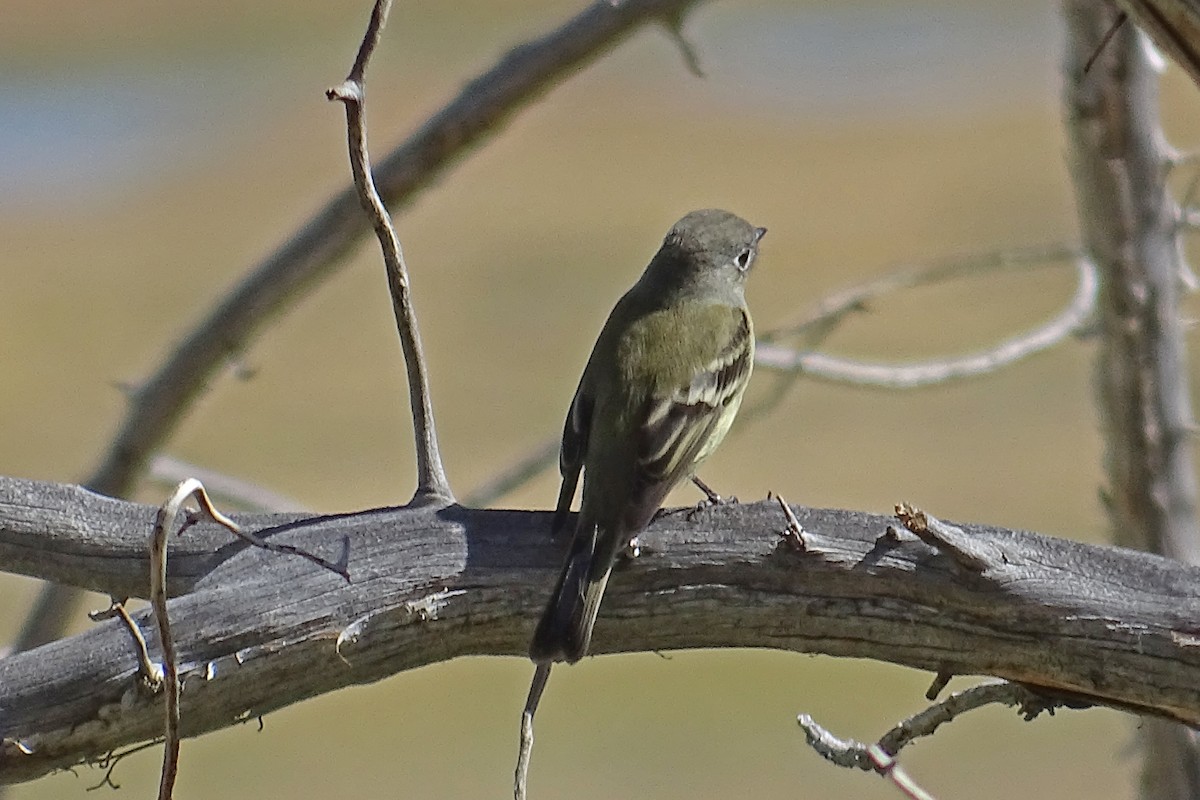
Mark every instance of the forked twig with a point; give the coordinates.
(168, 673)
(878, 756)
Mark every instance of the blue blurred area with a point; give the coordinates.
(75, 132)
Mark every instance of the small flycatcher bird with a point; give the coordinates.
(658, 394)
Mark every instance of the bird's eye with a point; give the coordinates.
(744, 258)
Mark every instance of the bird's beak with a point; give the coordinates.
(758, 234)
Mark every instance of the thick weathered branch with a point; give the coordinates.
(256, 631)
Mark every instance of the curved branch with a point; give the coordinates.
(910, 376)
(256, 631)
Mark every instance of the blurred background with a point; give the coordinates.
(150, 153)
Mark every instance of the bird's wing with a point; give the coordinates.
(684, 425)
(572, 452)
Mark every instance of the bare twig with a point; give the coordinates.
(432, 486)
(158, 601)
(521, 776)
(320, 246)
(111, 760)
(940, 682)
(674, 25)
(908, 376)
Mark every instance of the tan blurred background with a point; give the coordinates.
(150, 152)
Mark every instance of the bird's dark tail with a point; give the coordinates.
(565, 629)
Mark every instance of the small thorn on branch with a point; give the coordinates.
(793, 535)
(940, 681)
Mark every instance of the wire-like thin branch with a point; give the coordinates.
(909, 376)
(432, 485)
(521, 776)
(151, 672)
(158, 601)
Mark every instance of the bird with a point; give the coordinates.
(660, 390)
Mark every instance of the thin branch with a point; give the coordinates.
(541, 675)
(432, 485)
(1070, 320)
(158, 601)
(152, 673)
(322, 244)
